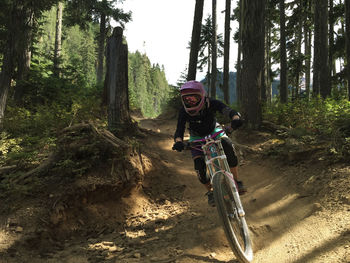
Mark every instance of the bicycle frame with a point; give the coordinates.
(216, 162)
(227, 200)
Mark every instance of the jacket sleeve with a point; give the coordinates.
(223, 108)
(181, 124)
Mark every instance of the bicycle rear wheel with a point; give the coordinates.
(235, 226)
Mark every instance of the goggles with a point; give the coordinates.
(191, 100)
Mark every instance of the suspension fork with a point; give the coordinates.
(226, 171)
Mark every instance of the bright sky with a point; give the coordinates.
(162, 29)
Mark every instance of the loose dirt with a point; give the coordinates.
(297, 212)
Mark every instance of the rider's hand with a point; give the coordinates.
(236, 123)
(178, 146)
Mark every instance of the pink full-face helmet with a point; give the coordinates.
(193, 97)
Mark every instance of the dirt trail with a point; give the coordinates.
(167, 218)
(288, 223)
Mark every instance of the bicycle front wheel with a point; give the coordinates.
(235, 226)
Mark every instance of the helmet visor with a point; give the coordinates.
(191, 100)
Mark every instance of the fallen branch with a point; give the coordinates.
(7, 169)
(42, 168)
(274, 127)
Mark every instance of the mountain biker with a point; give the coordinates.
(199, 111)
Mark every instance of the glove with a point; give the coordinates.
(178, 146)
(235, 124)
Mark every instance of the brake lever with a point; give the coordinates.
(228, 130)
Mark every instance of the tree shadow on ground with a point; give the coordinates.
(330, 245)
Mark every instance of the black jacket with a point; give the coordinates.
(205, 122)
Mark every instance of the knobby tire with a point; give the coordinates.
(236, 228)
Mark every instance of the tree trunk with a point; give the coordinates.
(8, 62)
(226, 80)
(214, 53)
(6, 75)
(196, 33)
(307, 37)
(116, 81)
(266, 59)
(23, 49)
(101, 48)
(321, 83)
(316, 66)
(283, 55)
(253, 59)
(342, 31)
(347, 37)
(268, 70)
(298, 72)
(331, 59)
(209, 67)
(58, 40)
(239, 54)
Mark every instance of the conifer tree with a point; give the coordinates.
(227, 51)
(283, 55)
(347, 34)
(82, 12)
(17, 17)
(58, 39)
(195, 40)
(321, 84)
(213, 52)
(253, 62)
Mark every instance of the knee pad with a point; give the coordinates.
(201, 169)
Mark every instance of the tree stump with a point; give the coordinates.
(116, 81)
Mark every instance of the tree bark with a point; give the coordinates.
(283, 55)
(321, 83)
(196, 32)
(23, 49)
(298, 72)
(253, 60)
(227, 52)
(101, 48)
(8, 62)
(208, 70)
(266, 87)
(58, 39)
(331, 59)
(307, 38)
(268, 80)
(347, 37)
(239, 55)
(214, 53)
(117, 81)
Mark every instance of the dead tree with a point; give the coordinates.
(116, 81)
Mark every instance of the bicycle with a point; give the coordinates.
(227, 200)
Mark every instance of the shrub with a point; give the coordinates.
(327, 119)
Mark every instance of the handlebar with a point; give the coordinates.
(188, 145)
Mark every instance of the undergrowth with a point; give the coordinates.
(30, 131)
(316, 119)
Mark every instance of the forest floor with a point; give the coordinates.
(298, 211)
